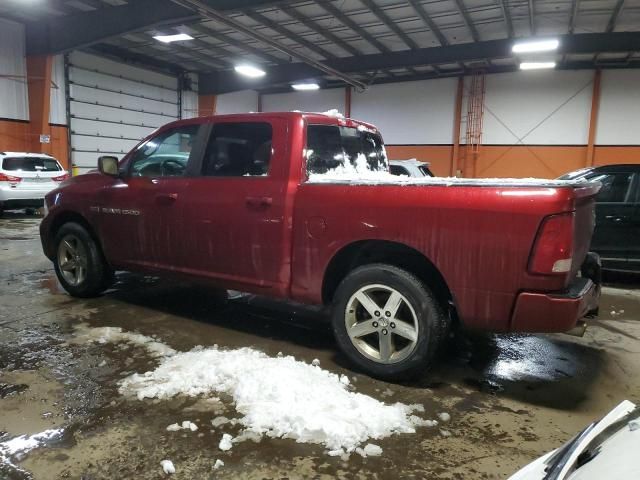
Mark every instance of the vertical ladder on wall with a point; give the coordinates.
(475, 115)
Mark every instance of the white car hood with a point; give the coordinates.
(618, 458)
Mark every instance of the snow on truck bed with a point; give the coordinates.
(361, 174)
(276, 396)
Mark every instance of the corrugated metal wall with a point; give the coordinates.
(113, 106)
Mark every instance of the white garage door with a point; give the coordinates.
(113, 106)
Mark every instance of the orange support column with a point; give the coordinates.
(206, 105)
(457, 124)
(593, 120)
(347, 102)
(39, 83)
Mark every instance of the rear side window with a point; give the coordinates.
(31, 164)
(238, 150)
(615, 187)
(427, 173)
(331, 146)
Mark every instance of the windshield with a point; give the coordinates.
(331, 146)
(31, 164)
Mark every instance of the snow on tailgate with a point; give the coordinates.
(276, 396)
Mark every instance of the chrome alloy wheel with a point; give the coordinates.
(72, 260)
(381, 324)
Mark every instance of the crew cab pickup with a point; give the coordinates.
(257, 203)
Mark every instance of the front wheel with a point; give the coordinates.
(387, 322)
(79, 264)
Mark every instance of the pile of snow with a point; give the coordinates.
(86, 334)
(219, 463)
(225, 443)
(334, 112)
(167, 467)
(277, 397)
(186, 425)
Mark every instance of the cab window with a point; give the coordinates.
(165, 155)
(241, 149)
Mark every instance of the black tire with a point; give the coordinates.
(432, 322)
(98, 277)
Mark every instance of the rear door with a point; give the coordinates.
(236, 228)
(617, 233)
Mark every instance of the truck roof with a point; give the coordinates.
(24, 154)
(332, 117)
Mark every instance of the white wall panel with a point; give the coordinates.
(114, 105)
(312, 101)
(619, 116)
(237, 102)
(14, 101)
(58, 102)
(517, 105)
(411, 112)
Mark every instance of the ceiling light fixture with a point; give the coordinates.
(305, 86)
(249, 71)
(536, 46)
(537, 65)
(178, 37)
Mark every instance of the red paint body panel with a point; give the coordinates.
(276, 235)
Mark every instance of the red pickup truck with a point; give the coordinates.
(231, 200)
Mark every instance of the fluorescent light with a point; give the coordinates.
(536, 46)
(249, 71)
(305, 86)
(536, 65)
(178, 37)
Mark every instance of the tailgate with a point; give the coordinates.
(584, 223)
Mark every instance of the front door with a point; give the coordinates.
(237, 229)
(616, 233)
(140, 214)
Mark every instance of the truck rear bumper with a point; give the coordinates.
(548, 312)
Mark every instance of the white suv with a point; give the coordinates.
(25, 178)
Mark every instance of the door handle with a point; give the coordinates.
(166, 199)
(259, 201)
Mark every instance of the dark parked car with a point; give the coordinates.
(617, 233)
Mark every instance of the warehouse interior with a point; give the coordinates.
(102, 88)
(476, 89)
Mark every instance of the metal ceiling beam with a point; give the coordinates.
(223, 82)
(614, 16)
(467, 20)
(68, 32)
(532, 21)
(204, 10)
(229, 40)
(276, 27)
(390, 24)
(506, 15)
(575, 10)
(318, 29)
(342, 18)
(422, 13)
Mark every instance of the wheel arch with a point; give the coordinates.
(69, 216)
(398, 254)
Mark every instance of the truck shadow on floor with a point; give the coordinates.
(549, 370)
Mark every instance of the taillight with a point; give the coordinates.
(553, 249)
(9, 178)
(61, 178)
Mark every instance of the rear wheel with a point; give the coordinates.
(387, 322)
(79, 264)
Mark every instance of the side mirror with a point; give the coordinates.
(108, 165)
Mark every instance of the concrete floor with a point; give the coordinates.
(511, 398)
